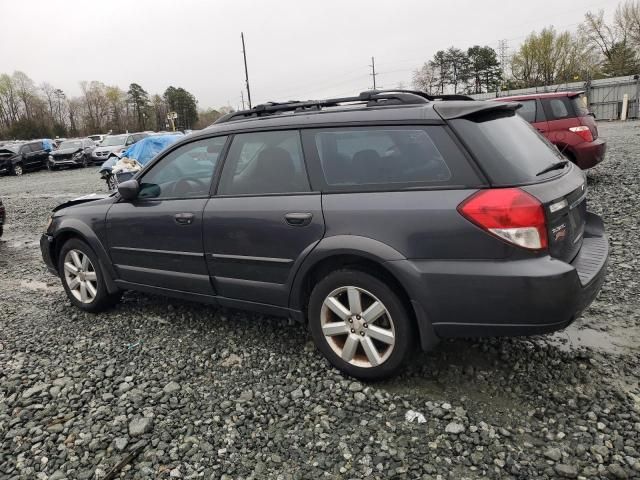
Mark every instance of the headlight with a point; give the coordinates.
(49, 221)
(77, 155)
(51, 158)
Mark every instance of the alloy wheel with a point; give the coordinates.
(17, 169)
(357, 326)
(80, 276)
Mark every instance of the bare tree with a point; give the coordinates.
(426, 79)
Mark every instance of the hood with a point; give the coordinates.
(65, 151)
(84, 199)
(109, 149)
(5, 153)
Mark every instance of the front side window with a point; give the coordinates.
(380, 155)
(185, 172)
(264, 162)
(528, 110)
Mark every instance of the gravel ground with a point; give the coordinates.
(159, 388)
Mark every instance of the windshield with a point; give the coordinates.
(113, 140)
(70, 144)
(508, 148)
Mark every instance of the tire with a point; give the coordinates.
(51, 167)
(93, 297)
(392, 323)
(17, 169)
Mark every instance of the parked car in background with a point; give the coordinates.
(114, 145)
(97, 138)
(135, 157)
(72, 153)
(379, 220)
(17, 158)
(565, 121)
(3, 217)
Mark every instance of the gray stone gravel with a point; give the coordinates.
(205, 393)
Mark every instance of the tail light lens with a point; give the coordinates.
(510, 214)
(584, 132)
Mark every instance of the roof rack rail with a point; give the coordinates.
(369, 97)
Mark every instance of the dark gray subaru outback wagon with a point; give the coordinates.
(381, 220)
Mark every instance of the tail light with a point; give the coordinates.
(584, 132)
(510, 214)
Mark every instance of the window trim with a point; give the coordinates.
(319, 182)
(214, 191)
(138, 176)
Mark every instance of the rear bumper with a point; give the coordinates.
(589, 154)
(481, 298)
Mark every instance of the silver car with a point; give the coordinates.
(114, 145)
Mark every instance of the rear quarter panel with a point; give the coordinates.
(418, 224)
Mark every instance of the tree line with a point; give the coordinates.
(597, 49)
(30, 111)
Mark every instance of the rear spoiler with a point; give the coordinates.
(460, 109)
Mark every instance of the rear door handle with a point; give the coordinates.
(184, 218)
(298, 219)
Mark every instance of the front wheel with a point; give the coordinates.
(82, 277)
(17, 169)
(360, 324)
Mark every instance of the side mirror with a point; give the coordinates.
(129, 190)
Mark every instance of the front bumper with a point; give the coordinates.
(46, 247)
(481, 298)
(67, 162)
(589, 154)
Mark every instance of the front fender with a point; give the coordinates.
(74, 227)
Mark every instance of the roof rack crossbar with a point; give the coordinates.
(369, 97)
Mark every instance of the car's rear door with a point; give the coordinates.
(156, 239)
(30, 156)
(263, 219)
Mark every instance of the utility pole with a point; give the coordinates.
(246, 71)
(242, 97)
(373, 71)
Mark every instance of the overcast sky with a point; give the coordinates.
(296, 49)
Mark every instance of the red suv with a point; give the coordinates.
(566, 122)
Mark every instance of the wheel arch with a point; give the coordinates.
(360, 253)
(75, 229)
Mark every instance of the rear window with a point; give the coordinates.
(509, 149)
(374, 158)
(579, 105)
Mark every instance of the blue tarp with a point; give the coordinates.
(147, 148)
(47, 144)
(144, 150)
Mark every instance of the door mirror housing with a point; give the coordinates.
(129, 190)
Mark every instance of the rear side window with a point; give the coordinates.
(557, 108)
(264, 162)
(507, 147)
(579, 105)
(528, 110)
(376, 158)
(35, 147)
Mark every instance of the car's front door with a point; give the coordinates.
(263, 220)
(156, 239)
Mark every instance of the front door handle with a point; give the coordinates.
(298, 219)
(184, 218)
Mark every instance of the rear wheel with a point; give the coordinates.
(17, 169)
(360, 324)
(82, 277)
